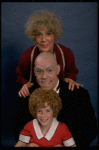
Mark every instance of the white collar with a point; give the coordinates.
(55, 89)
(50, 132)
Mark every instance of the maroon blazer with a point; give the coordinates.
(64, 56)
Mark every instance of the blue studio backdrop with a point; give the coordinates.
(80, 22)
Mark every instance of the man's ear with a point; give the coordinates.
(58, 69)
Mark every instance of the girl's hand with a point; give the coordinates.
(58, 145)
(31, 145)
(72, 84)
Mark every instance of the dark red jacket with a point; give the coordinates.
(64, 57)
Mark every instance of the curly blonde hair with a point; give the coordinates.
(43, 18)
(38, 98)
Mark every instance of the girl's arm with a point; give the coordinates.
(59, 145)
(19, 144)
(74, 145)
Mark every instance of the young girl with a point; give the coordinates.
(45, 130)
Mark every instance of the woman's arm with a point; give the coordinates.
(23, 68)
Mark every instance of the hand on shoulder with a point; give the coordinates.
(25, 90)
(72, 84)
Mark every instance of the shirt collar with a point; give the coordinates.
(50, 132)
(57, 89)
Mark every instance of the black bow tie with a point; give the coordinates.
(57, 87)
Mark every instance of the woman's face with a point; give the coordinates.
(45, 40)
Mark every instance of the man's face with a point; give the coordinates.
(46, 72)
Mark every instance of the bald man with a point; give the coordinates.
(46, 71)
(77, 111)
(42, 60)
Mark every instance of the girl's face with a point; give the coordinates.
(44, 116)
(44, 40)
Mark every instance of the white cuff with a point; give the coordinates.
(24, 138)
(69, 142)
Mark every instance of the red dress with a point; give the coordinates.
(57, 134)
(63, 55)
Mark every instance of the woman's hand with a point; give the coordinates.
(25, 90)
(72, 84)
(31, 145)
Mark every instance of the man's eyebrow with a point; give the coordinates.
(50, 67)
(38, 68)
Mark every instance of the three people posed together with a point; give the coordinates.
(60, 110)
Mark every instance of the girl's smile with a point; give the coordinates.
(44, 116)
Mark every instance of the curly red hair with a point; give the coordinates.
(38, 98)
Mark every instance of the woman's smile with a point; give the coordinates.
(45, 46)
(45, 41)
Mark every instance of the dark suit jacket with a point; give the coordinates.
(77, 112)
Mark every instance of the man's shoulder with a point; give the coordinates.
(34, 87)
(64, 89)
(80, 90)
(63, 84)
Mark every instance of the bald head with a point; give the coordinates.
(46, 70)
(46, 56)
